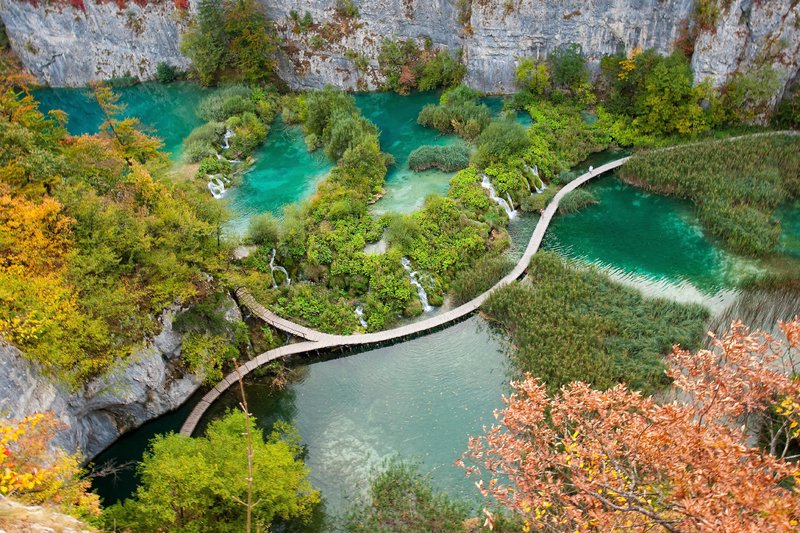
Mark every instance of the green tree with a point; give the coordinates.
(253, 41)
(533, 76)
(568, 65)
(206, 41)
(201, 484)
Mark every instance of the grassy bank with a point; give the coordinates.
(569, 324)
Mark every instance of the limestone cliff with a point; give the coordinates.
(67, 46)
(149, 383)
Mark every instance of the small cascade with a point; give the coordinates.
(538, 184)
(486, 184)
(360, 315)
(226, 139)
(217, 187)
(510, 201)
(423, 296)
(273, 267)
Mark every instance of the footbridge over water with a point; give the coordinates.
(315, 340)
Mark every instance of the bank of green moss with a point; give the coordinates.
(567, 323)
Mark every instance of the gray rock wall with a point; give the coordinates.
(149, 384)
(64, 46)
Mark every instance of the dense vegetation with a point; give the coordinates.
(96, 239)
(201, 484)
(245, 113)
(447, 158)
(232, 40)
(569, 324)
(322, 240)
(736, 185)
(406, 66)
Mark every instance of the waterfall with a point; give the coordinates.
(486, 184)
(360, 315)
(216, 186)
(538, 184)
(226, 138)
(423, 296)
(510, 201)
(273, 267)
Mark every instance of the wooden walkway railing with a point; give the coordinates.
(316, 340)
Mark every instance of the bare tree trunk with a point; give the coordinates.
(249, 434)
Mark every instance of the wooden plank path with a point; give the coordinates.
(316, 340)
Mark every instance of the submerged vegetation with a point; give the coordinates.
(736, 185)
(572, 324)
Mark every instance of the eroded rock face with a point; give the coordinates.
(150, 383)
(67, 46)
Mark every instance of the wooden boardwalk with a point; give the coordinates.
(316, 340)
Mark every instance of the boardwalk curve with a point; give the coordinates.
(316, 340)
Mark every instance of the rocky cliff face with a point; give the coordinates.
(150, 383)
(62, 45)
(65, 46)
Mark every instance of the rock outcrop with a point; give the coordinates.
(62, 45)
(65, 46)
(151, 382)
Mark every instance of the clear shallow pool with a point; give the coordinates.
(396, 119)
(167, 111)
(283, 173)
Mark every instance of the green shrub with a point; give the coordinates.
(576, 200)
(166, 73)
(196, 151)
(223, 104)
(347, 8)
(210, 133)
(407, 67)
(500, 141)
(443, 70)
(458, 111)
(214, 165)
(574, 324)
(249, 132)
(401, 499)
(445, 158)
(263, 230)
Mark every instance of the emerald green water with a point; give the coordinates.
(284, 172)
(654, 237)
(396, 119)
(167, 111)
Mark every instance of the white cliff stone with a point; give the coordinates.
(65, 46)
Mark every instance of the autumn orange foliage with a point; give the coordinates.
(31, 472)
(589, 460)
